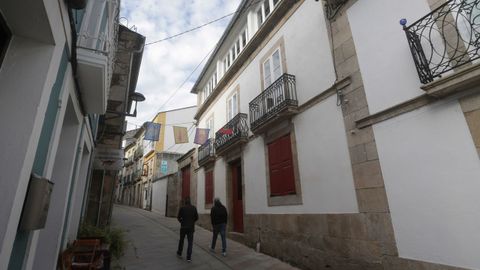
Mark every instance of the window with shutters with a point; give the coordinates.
(272, 68)
(209, 187)
(280, 166)
(5, 36)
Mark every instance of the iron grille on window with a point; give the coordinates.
(445, 39)
(235, 129)
(279, 95)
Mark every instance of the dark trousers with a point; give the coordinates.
(219, 228)
(189, 233)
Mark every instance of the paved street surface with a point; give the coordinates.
(153, 239)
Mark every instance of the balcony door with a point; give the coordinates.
(272, 68)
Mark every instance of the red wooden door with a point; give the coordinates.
(237, 197)
(282, 179)
(209, 187)
(185, 182)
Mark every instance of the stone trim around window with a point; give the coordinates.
(280, 43)
(280, 130)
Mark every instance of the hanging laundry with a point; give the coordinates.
(226, 131)
(201, 135)
(180, 135)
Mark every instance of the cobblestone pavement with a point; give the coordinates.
(153, 239)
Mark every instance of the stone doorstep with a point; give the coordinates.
(456, 82)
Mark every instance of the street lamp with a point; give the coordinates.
(136, 97)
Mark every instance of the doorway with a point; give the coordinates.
(185, 183)
(237, 196)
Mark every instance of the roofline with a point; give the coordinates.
(178, 109)
(232, 22)
(186, 155)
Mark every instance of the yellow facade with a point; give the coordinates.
(160, 118)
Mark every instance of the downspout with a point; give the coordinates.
(100, 199)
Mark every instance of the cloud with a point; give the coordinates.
(166, 65)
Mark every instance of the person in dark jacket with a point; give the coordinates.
(187, 215)
(218, 217)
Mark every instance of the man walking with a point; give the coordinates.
(187, 217)
(218, 217)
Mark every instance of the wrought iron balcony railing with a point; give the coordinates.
(206, 152)
(234, 131)
(279, 95)
(445, 39)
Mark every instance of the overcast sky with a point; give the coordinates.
(167, 64)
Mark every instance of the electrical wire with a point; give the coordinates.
(190, 30)
(203, 25)
(240, 11)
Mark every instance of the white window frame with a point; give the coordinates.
(272, 72)
(233, 105)
(264, 15)
(210, 125)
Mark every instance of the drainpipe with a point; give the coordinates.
(101, 199)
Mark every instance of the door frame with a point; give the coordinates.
(236, 160)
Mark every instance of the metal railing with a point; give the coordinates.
(277, 96)
(445, 39)
(206, 151)
(106, 42)
(235, 129)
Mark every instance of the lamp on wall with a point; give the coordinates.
(135, 97)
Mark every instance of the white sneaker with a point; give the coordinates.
(224, 254)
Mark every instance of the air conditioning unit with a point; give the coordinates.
(37, 202)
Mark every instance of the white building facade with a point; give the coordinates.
(329, 152)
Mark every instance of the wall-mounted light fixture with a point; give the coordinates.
(135, 97)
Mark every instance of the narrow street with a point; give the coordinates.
(152, 242)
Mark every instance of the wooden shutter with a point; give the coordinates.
(280, 161)
(209, 187)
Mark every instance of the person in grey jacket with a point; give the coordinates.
(219, 217)
(187, 216)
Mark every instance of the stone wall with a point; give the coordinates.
(173, 195)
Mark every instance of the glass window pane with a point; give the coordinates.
(266, 6)
(238, 46)
(267, 74)
(259, 17)
(244, 38)
(277, 67)
(234, 105)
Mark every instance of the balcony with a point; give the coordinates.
(445, 46)
(233, 134)
(276, 103)
(206, 153)
(96, 47)
(138, 153)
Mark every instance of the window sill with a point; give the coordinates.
(294, 199)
